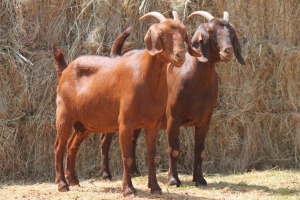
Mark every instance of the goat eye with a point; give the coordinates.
(210, 31)
(161, 35)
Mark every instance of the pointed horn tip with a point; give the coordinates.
(203, 13)
(189, 17)
(226, 15)
(143, 17)
(175, 15)
(157, 15)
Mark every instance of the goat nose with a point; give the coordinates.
(180, 56)
(228, 50)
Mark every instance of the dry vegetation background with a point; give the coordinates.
(256, 123)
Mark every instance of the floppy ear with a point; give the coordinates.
(237, 49)
(192, 51)
(152, 41)
(200, 41)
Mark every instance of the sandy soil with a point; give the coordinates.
(254, 185)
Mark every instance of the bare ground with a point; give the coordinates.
(273, 184)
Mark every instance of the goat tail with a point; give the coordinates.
(60, 63)
(116, 49)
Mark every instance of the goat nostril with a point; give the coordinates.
(228, 50)
(180, 56)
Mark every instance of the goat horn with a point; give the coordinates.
(157, 15)
(204, 14)
(226, 16)
(175, 15)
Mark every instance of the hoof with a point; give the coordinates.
(135, 173)
(201, 182)
(73, 181)
(154, 188)
(63, 187)
(129, 196)
(106, 176)
(173, 181)
(156, 191)
(129, 192)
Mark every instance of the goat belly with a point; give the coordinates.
(99, 115)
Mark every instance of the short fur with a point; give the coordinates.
(102, 94)
(193, 92)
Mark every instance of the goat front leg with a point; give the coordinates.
(125, 140)
(73, 146)
(173, 132)
(106, 139)
(200, 136)
(151, 141)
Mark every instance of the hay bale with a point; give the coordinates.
(256, 123)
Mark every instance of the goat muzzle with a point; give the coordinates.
(226, 54)
(178, 58)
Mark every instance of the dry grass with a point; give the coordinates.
(256, 124)
(271, 184)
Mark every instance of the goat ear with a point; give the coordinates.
(192, 51)
(200, 40)
(153, 42)
(237, 49)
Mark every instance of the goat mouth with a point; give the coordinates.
(225, 57)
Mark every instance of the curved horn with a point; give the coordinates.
(226, 16)
(175, 15)
(157, 15)
(204, 14)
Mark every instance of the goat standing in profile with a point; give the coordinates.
(103, 94)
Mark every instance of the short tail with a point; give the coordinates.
(116, 49)
(60, 63)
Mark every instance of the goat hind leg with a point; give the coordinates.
(134, 169)
(106, 139)
(63, 131)
(73, 146)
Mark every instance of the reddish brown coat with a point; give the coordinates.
(193, 92)
(102, 94)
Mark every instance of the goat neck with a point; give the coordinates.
(154, 71)
(204, 71)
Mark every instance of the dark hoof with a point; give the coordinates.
(154, 188)
(63, 187)
(201, 182)
(129, 192)
(156, 191)
(173, 181)
(106, 176)
(135, 173)
(73, 181)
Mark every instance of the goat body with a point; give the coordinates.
(102, 94)
(193, 91)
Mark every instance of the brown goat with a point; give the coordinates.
(102, 94)
(193, 91)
